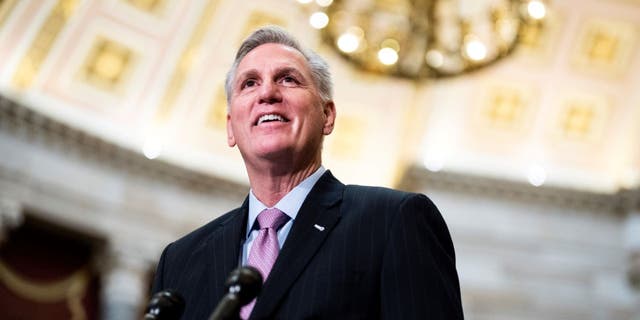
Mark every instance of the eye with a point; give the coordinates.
(249, 83)
(289, 80)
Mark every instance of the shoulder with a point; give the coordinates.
(393, 208)
(197, 238)
(384, 197)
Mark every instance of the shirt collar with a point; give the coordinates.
(290, 204)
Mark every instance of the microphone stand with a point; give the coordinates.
(165, 305)
(243, 285)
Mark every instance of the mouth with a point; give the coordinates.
(271, 117)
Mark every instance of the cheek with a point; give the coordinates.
(239, 112)
(235, 124)
(309, 105)
(241, 102)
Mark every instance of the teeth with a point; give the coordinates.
(270, 117)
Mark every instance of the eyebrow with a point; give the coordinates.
(279, 73)
(289, 70)
(246, 74)
(286, 70)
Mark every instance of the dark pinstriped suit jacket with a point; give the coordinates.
(383, 254)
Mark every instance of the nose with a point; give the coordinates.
(270, 93)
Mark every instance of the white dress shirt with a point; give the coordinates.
(290, 204)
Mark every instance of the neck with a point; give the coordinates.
(271, 183)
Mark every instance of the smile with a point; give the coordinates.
(270, 118)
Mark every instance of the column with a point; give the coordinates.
(10, 216)
(632, 239)
(124, 286)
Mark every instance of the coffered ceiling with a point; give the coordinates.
(148, 75)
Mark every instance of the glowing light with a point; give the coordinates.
(434, 164)
(304, 1)
(536, 9)
(387, 56)
(324, 3)
(434, 58)
(475, 50)
(152, 149)
(348, 42)
(319, 20)
(537, 175)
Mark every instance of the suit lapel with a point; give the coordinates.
(321, 208)
(223, 250)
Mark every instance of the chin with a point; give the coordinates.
(273, 151)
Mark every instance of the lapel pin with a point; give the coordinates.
(320, 228)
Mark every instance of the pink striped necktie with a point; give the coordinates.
(265, 248)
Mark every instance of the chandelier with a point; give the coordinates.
(423, 38)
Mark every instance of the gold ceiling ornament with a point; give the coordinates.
(423, 38)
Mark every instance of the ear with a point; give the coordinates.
(231, 140)
(329, 110)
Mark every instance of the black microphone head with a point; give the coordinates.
(165, 305)
(245, 282)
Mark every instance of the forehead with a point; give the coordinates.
(273, 56)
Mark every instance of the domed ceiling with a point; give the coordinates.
(148, 75)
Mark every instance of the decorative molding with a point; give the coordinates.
(148, 6)
(29, 124)
(25, 122)
(46, 37)
(6, 8)
(621, 202)
(188, 59)
(107, 64)
(605, 46)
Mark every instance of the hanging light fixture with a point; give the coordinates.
(423, 38)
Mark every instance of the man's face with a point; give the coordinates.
(275, 108)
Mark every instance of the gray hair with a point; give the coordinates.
(274, 34)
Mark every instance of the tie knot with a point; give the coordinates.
(272, 218)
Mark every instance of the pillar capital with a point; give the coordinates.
(11, 216)
(125, 283)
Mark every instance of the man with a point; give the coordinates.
(343, 252)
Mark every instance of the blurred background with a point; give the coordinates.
(520, 119)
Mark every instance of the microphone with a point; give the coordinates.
(243, 285)
(165, 305)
